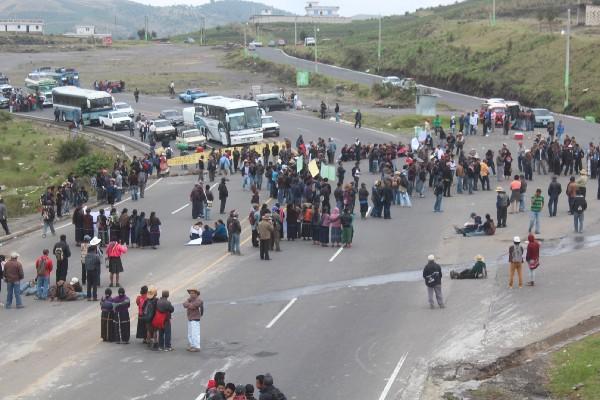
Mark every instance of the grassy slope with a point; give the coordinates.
(454, 47)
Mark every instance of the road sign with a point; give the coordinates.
(302, 78)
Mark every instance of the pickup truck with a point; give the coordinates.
(162, 129)
(270, 126)
(115, 120)
(190, 138)
(192, 94)
(124, 107)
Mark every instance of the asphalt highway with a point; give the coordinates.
(328, 324)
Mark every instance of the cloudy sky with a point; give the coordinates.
(347, 7)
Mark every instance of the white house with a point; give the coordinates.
(87, 31)
(22, 26)
(313, 9)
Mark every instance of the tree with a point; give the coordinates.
(303, 35)
(141, 33)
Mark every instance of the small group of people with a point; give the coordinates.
(218, 389)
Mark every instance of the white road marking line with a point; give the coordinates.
(369, 211)
(201, 396)
(287, 307)
(179, 209)
(213, 186)
(337, 253)
(393, 377)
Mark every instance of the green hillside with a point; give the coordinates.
(454, 47)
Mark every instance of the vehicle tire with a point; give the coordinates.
(277, 134)
(102, 124)
(114, 127)
(287, 108)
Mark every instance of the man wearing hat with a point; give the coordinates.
(432, 273)
(195, 310)
(502, 203)
(265, 233)
(479, 270)
(515, 258)
(13, 273)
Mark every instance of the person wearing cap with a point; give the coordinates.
(265, 233)
(515, 258)
(13, 274)
(502, 202)
(194, 307)
(537, 203)
(432, 274)
(43, 269)
(554, 190)
(479, 270)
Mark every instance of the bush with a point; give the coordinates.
(72, 149)
(90, 165)
(5, 117)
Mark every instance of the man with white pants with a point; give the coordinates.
(195, 309)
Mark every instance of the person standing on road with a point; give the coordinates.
(337, 114)
(122, 325)
(62, 251)
(438, 191)
(358, 119)
(515, 258)
(223, 194)
(571, 193)
(136, 95)
(48, 215)
(43, 269)
(579, 207)
(3, 216)
(323, 109)
(13, 273)
(92, 270)
(265, 234)
(164, 307)
(532, 257)
(432, 274)
(515, 194)
(537, 203)
(195, 310)
(114, 251)
(502, 202)
(554, 190)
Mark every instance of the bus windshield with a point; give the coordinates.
(244, 118)
(101, 103)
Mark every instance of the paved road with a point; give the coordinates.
(360, 317)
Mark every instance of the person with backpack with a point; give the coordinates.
(121, 318)
(264, 384)
(43, 269)
(62, 252)
(515, 258)
(432, 274)
(162, 321)
(579, 207)
(347, 228)
(195, 310)
(107, 315)
(92, 269)
(48, 215)
(148, 311)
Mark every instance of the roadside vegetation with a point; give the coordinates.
(521, 57)
(35, 156)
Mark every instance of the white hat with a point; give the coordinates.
(517, 239)
(14, 255)
(95, 241)
(431, 257)
(74, 280)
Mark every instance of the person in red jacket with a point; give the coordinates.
(532, 257)
(43, 269)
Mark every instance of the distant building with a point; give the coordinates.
(35, 26)
(87, 31)
(592, 15)
(315, 14)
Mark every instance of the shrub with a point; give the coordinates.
(89, 165)
(72, 149)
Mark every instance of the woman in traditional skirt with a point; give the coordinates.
(124, 226)
(336, 228)
(306, 222)
(141, 324)
(316, 224)
(324, 230)
(106, 317)
(292, 222)
(154, 227)
(142, 231)
(121, 317)
(114, 251)
(347, 229)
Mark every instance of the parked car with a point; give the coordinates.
(542, 117)
(173, 116)
(408, 83)
(163, 129)
(309, 41)
(270, 126)
(392, 81)
(281, 42)
(256, 44)
(6, 89)
(272, 101)
(190, 138)
(192, 94)
(124, 107)
(4, 102)
(3, 79)
(271, 43)
(115, 120)
(251, 47)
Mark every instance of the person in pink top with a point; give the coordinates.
(324, 231)
(114, 251)
(336, 228)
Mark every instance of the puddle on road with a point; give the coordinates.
(550, 248)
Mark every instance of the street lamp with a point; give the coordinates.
(316, 50)
(567, 57)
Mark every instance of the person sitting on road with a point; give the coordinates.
(207, 235)
(196, 231)
(488, 228)
(479, 270)
(63, 291)
(220, 232)
(28, 288)
(469, 226)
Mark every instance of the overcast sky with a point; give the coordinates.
(347, 7)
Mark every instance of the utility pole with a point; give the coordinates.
(379, 47)
(493, 12)
(146, 27)
(245, 39)
(202, 31)
(568, 59)
(295, 31)
(316, 50)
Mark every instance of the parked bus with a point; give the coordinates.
(41, 87)
(75, 104)
(226, 120)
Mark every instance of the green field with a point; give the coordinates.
(521, 57)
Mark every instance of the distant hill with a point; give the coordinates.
(123, 17)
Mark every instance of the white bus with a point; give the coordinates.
(75, 104)
(226, 120)
(41, 87)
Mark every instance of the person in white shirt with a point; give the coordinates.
(473, 122)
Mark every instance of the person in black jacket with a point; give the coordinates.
(164, 335)
(62, 252)
(579, 207)
(223, 194)
(432, 274)
(264, 383)
(554, 190)
(387, 197)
